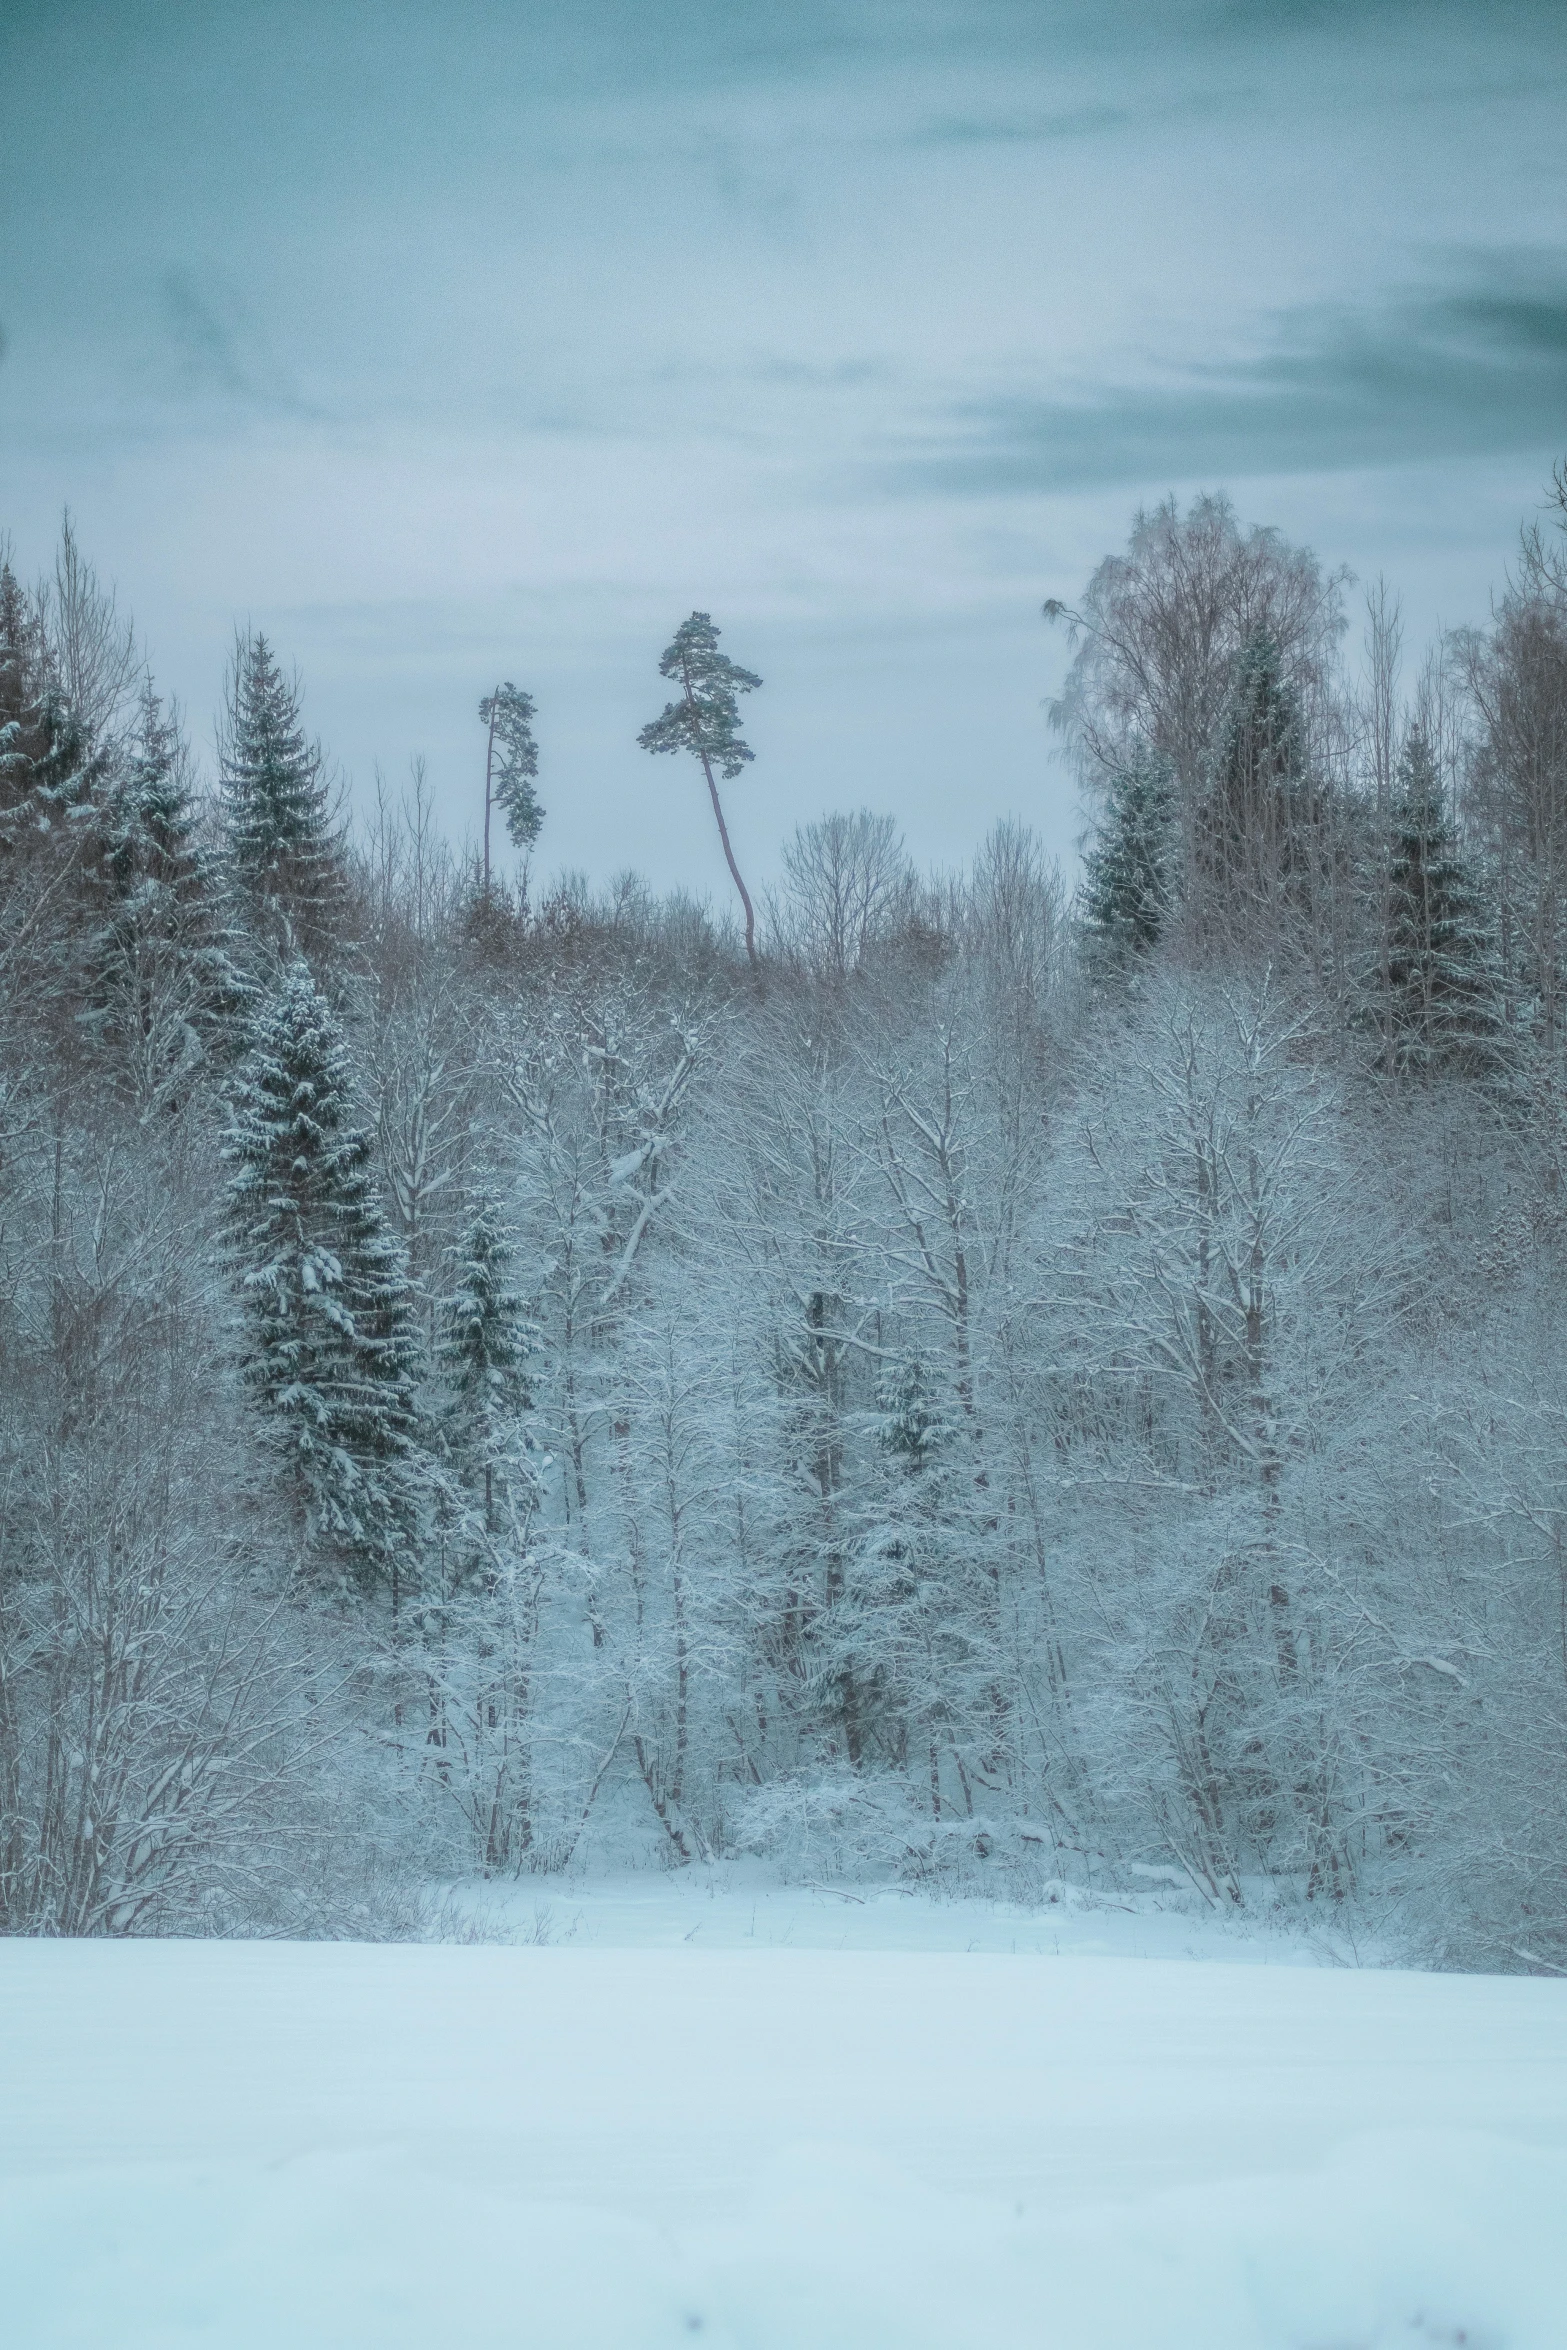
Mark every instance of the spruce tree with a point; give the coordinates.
(48, 769)
(1126, 880)
(484, 1354)
(912, 1428)
(151, 837)
(158, 975)
(330, 1352)
(1255, 846)
(284, 849)
(1442, 994)
(20, 651)
(51, 782)
(22, 734)
(904, 1578)
(706, 722)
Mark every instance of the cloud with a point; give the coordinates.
(1154, 107)
(1470, 373)
(220, 349)
(1078, 122)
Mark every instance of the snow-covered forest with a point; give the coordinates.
(975, 1377)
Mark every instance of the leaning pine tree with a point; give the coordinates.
(330, 1335)
(706, 722)
(283, 846)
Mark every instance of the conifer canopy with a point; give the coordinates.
(513, 762)
(330, 1348)
(706, 719)
(282, 842)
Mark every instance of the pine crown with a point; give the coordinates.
(706, 720)
(509, 714)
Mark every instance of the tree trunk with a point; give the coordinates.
(723, 834)
(489, 765)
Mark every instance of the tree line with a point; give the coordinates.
(953, 1377)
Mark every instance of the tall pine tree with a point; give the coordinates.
(331, 1351)
(511, 762)
(284, 848)
(706, 722)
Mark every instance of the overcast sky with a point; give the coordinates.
(451, 343)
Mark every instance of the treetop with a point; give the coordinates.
(706, 720)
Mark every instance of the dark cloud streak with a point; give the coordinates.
(223, 353)
(1456, 375)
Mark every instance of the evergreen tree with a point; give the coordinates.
(158, 974)
(1255, 846)
(283, 845)
(331, 1352)
(706, 722)
(1126, 880)
(22, 736)
(904, 1579)
(485, 1354)
(912, 1428)
(511, 762)
(51, 781)
(19, 663)
(1442, 992)
(48, 771)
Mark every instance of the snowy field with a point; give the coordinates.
(763, 2119)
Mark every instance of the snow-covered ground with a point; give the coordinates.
(678, 2110)
(738, 1905)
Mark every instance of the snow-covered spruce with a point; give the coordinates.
(284, 850)
(330, 1340)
